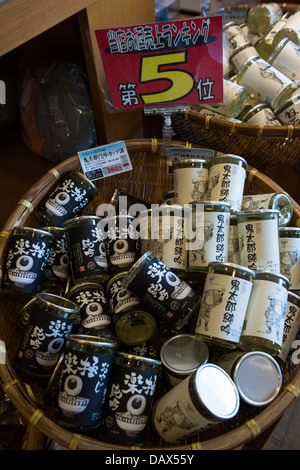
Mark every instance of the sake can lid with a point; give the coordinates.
(258, 378)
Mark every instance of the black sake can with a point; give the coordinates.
(84, 375)
(127, 408)
(49, 319)
(27, 256)
(67, 200)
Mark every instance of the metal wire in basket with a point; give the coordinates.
(149, 180)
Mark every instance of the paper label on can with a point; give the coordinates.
(266, 311)
(289, 249)
(165, 238)
(264, 81)
(42, 342)
(211, 238)
(128, 405)
(83, 385)
(190, 184)
(226, 183)
(223, 307)
(87, 251)
(176, 416)
(290, 329)
(169, 298)
(288, 61)
(233, 246)
(95, 315)
(259, 247)
(25, 264)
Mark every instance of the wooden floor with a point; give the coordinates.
(20, 169)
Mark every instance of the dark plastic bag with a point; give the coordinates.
(57, 117)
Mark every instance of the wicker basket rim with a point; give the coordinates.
(232, 127)
(21, 395)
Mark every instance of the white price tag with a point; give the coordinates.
(108, 160)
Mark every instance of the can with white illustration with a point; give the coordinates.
(224, 304)
(265, 317)
(195, 404)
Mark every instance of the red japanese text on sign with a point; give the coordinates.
(178, 62)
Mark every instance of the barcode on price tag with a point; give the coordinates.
(101, 162)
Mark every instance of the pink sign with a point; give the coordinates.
(156, 65)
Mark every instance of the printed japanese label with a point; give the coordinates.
(241, 57)
(291, 114)
(264, 81)
(83, 385)
(166, 241)
(95, 316)
(25, 263)
(66, 201)
(175, 415)
(233, 245)
(42, 342)
(57, 268)
(87, 251)
(109, 160)
(266, 311)
(287, 61)
(211, 238)
(289, 250)
(121, 300)
(168, 297)
(128, 404)
(122, 247)
(190, 184)
(259, 245)
(290, 329)
(154, 64)
(223, 307)
(256, 202)
(226, 183)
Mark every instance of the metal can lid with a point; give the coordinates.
(272, 276)
(208, 205)
(183, 353)
(81, 220)
(260, 213)
(229, 157)
(288, 231)
(258, 378)
(91, 343)
(136, 361)
(190, 162)
(232, 268)
(294, 298)
(217, 391)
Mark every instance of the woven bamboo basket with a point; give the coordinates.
(148, 180)
(259, 145)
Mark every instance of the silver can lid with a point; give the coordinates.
(258, 378)
(217, 391)
(183, 354)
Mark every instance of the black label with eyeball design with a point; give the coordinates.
(57, 267)
(163, 292)
(25, 264)
(127, 408)
(82, 389)
(66, 201)
(42, 341)
(95, 315)
(87, 252)
(121, 300)
(122, 248)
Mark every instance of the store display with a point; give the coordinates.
(189, 316)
